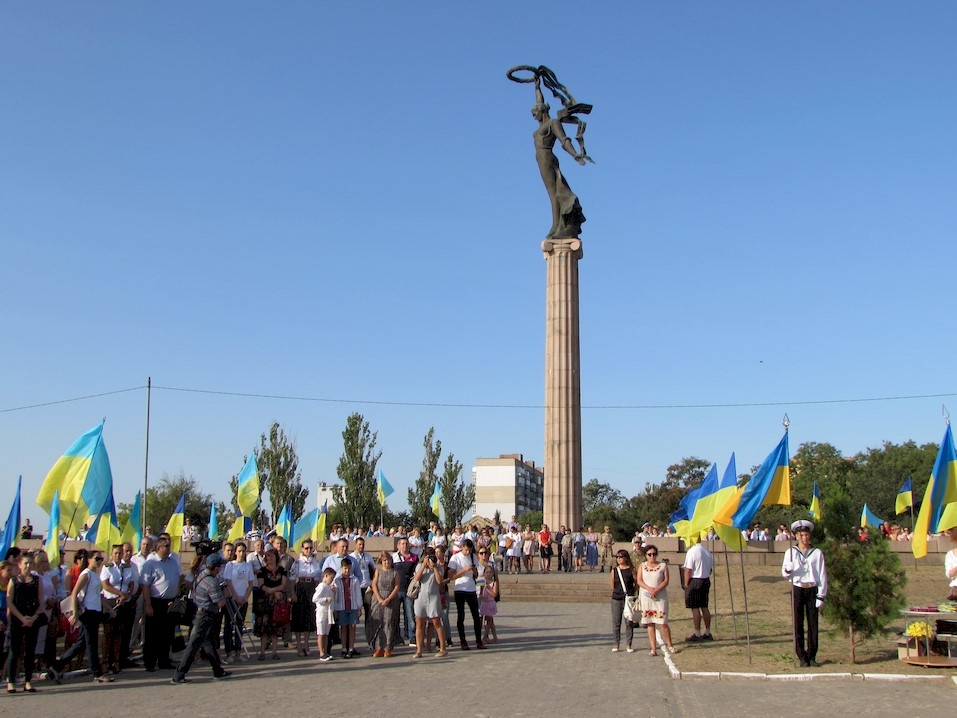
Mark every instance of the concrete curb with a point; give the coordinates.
(800, 677)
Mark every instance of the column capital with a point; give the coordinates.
(558, 246)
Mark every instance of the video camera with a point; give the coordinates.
(206, 547)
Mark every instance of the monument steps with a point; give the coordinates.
(556, 587)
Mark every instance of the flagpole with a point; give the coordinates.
(727, 570)
(146, 462)
(747, 617)
(714, 593)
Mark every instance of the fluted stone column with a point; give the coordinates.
(563, 405)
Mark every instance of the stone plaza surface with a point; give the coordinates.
(552, 659)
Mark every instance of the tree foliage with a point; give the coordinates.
(597, 494)
(162, 497)
(877, 474)
(421, 492)
(458, 496)
(865, 579)
(279, 472)
(658, 501)
(357, 499)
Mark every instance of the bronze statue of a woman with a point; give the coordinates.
(567, 216)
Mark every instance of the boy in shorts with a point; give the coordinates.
(323, 598)
(347, 607)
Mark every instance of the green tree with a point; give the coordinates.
(535, 519)
(279, 472)
(865, 580)
(596, 494)
(162, 497)
(420, 494)
(878, 474)
(458, 496)
(357, 498)
(658, 501)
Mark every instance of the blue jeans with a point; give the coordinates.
(89, 640)
(408, 617)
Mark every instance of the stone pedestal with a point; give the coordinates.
(563, 405)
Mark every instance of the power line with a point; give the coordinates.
(67, 401)
(454, 405)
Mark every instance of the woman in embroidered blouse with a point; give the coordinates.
(272, 584)
(653, 597)
(24, 605)
(306, 572)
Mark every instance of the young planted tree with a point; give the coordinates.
(279, 472)
(865, 580)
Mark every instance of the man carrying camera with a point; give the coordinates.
(209, 599)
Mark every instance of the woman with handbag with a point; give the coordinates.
(623, 581)
(86, 605)
(24, 609)
(653, 582)
(273, 613)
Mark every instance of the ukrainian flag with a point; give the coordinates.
(681, 519)
(248, 491)
(938, 510)
(304, 529)
(133, 531)
(11, 532)
(815, 508)
(53, 533)
(905, 497)
(435, 500)
(869, 518)
(105, 531)
(320, 534)
(174, 527)
(710, 500)
(213, 532)
(83, 479)
(383, 488)
(284, 523)
(240, 526)
(770, 485)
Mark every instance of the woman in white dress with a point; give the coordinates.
(653, 599)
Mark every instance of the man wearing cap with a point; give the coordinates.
(209, 599)
(804, 566)
(698, 566)
(606, 542)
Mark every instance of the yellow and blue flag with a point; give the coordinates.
(938, 510)
(320, 534)
(680, 520)
(174, 527)
(240, 527)
(53, 533)
(304, 529)
(284, 523)
(83, 479)
(105, 531)
(383, 488)
(133, 531)
(248, 491)
(435, 500)
(869, 518)
(815, 508)
(11, 532)
(213, 532)
(770, 485)
(711, 499)
(905, 497)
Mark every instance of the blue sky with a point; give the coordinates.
(339, 201)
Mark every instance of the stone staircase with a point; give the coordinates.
(556, 587)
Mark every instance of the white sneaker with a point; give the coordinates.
(615, 649)
(630, 649)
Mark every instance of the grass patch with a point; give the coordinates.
(769, 614)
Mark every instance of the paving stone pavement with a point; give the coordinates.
(552, 659)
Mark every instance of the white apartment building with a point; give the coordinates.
(509, 484)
